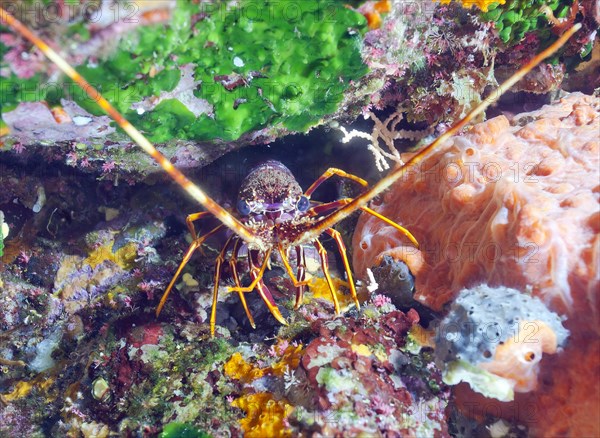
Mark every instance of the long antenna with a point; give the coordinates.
(394, 175)
(195, 192)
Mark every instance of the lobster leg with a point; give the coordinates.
(258, 274)
(388, 221)
(301, 264)
(298, 284)
(264, 293)
(194, 217)
(216, 281)
(236, 279)
(288, 267)
(193, 247)
(319, 209)
(342, 248)
(328, 174)
(262, 289)
(325, 267)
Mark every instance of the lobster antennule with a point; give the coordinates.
(195, 192)
(363, 199)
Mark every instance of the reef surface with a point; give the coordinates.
(91, 231)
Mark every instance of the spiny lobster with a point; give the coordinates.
(275, 214)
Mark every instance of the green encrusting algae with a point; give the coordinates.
(181, 430)
(515, 18)
(280, 64)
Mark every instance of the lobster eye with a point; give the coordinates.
(243, 207)
(303, 203)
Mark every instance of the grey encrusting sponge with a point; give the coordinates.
(478, 322)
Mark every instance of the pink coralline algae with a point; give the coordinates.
(23, 63)
(363, 381)
(511, 203)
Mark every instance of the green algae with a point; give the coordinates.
(291, 62)
(280, 64)
(177, 368)
(337, 380)
(14, 90)
(517, 17)
(181, 430)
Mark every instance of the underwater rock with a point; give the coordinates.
(43, 352)
(430, 63)
(354, 376)
(395, 281)
(202, 80)
(515, 204)
(365, 379)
